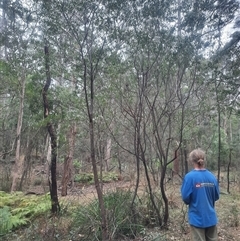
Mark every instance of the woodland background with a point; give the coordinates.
(117, 90)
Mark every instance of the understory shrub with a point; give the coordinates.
(18, 209)
(89, 177)
(123, 219)
(4, 220)
(148, 210)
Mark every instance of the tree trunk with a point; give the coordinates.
(219, 142)
(53, 167)
(90, 110)
(228, 171)
(3, 28)
(27, 163)
(176, 165)
(164, 196)
(151, 195)
(68, 168)
(17, 168)
(108, 153)
(185, 158)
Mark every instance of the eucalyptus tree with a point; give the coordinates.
(8, 79)
(86, 23)
(166, 59)
(15, 40)
(225, 66)
(55, 58)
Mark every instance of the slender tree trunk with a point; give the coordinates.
(219, 143)
(230, 158)
(186, 161)
(27, 163)
(156, 209)
(176, 165)
(45, 158)
(48, 158)
(228, 170)
(67, 172)
(90, 109)
(108, 153)
(119, 163)
(50, 128)
(17, 168)
(97, 183)
(219, 131)
(3, 27)
(164, 196)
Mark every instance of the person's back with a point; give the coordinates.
(200, 191)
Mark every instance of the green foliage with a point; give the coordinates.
(235, 219)
(7, 74)
(109, 176)
(34, 97)
(148, 210)
(77, 164)
(9, 221)
(18, 209)
(84, 178)
(5, 223)
(120, 218)
(89, 177)
(213, 151)
(5, 181)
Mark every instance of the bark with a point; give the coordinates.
(108, 149)
(176, 166)
(186, 161)
(108, 154)
(230, 160)
(90, 110)
(97, 184)
(53, 137)
(3, 27)
(27, 163)
(156, 209)
(164, 196)
(17, 168)
(89, 100)
(228, 171)
(68, 162)
(219, 141)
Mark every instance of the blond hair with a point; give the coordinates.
(197, 156)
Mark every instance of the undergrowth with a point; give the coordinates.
(123, 218)
(28, 218)
(85, 177)
(17, 210)
(126, 219)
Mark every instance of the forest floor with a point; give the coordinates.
(228, 209)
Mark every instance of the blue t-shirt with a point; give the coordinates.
(200, 190)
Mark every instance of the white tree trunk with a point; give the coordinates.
(108, 153)
(18, 165)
